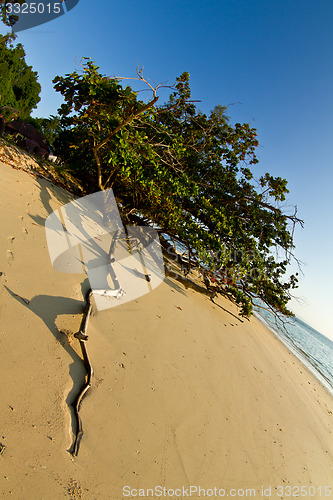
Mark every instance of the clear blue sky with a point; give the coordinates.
(272, 58)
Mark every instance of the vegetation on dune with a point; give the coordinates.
(19, 87)
(188, 173)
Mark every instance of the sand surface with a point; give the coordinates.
(183, 392)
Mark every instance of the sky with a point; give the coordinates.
(271, 61)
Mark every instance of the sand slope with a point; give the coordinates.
(183, 392)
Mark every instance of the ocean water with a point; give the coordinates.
(311, 347)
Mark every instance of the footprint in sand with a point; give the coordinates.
(74, 489)
(10, 256)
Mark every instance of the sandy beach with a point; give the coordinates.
(184, 393)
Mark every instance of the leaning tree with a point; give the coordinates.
(187, 173)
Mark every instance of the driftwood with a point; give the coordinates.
(82, 337)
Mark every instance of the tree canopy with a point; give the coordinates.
(6, 15)
(187, 173)
(19, 87)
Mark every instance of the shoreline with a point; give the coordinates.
(302, 357)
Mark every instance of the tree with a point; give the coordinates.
(19, 87)
(189, 174)
(102, 110)
(6, 16)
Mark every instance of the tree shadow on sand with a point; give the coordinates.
(48, 192)
(48, 308)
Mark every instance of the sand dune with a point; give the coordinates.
(183, 393)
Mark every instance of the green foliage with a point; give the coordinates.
(49, 127)
(188, 173)
(95, 111)
(19, 87)
(6, 18)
